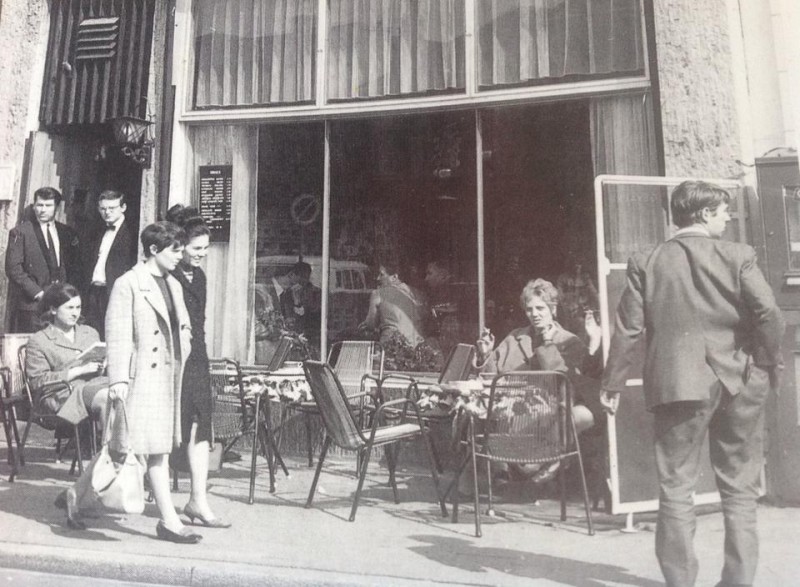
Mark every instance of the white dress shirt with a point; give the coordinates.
(99, 273)
(51, 228)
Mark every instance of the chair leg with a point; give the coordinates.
(586, 506)
(475, 479)
(392, 463)
(325, 445)
(12, 455)
(309, 440)
(253, 453)
(489, 509)
(24, 440)
(78, 457)
(266, 449)
(15, 431)
(272, 444)
(434, 473)
(361, 478)
(454, 486)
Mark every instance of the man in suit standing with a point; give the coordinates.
(40, 252)
(112, 251)
(712, 332)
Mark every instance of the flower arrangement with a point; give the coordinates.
(402, 356)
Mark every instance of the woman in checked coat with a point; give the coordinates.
(148, 335)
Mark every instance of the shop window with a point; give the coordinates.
(403, 235)
(522, 42)
(539, 210)
(288, 272)
(394, 48)
(254, 53)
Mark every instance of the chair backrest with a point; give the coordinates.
(527, 416)
(352, 359)
(458, 365)
(333, 405)
(227, 392)
(22, 354)
(281, 353)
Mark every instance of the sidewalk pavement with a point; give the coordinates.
(277, 542)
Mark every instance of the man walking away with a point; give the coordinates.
(40, 252)
(712, 332)
(112, 251)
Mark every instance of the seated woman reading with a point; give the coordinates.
(54, 354)
(545, 345)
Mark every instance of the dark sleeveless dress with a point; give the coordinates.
(196, 400)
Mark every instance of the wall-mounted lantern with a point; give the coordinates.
(132, 135)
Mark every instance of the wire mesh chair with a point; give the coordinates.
(343, 429)
(528, 421)
(50, 421)
(351, 360)
(8, 413)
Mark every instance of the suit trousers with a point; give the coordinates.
(735, 427)
(95, 307)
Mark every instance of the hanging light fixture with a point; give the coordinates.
(132, 135)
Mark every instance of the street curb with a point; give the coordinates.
(179, 571)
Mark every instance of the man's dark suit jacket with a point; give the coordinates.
(707, 315)
(26, 261)
(121, 256)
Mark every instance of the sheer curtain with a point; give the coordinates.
(251, 52)
(230, 266)
(526, 40)
(393, 47)
(623, 143)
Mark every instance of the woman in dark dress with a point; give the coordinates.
(196, 400)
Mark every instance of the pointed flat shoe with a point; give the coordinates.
(185, 536)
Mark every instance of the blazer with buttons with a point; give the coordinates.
(140, 353)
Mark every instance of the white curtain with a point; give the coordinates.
(526, 40)
(251, 52)
(393, 47)
(623, 143)
(230, 267)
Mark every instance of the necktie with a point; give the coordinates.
(109, 227)
(51, 248)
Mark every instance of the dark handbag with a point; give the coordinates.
(117, 478)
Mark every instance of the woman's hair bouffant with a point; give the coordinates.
(543, 289)
(55, 296)
(189, 219)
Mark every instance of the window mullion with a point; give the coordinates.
(322, 52)
(470, 49)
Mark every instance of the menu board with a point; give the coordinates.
(216, 188)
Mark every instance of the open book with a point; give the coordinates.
(95, 353)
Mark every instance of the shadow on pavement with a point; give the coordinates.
(464, 554)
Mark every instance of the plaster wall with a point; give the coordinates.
(23, 34)
(698, 104)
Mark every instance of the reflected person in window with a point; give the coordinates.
(396, 308)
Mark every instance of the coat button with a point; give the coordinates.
(155, 348)
(157, 332)
(154, 365)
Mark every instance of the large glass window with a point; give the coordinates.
(288, 288)
(256, 52)
(403, 224)
(394, 47)
(549, 41)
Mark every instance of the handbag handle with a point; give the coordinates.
(114, 406)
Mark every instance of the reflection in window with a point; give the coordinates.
(403, 230)
(526, 41)
(251, 53)
(288, 292)
(791, 201)
(394, 47)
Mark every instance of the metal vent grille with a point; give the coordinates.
(97, 38)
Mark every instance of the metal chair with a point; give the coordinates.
(457, 367)
(50, 421)
(342, 428)
(529, 421)
(258, 419)
(351, 360)
(8, 413)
